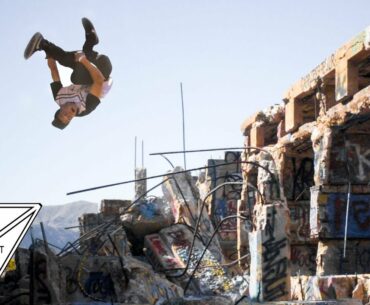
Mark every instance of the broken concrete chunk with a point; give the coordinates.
(147, 216)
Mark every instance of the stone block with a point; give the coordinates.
(147, 216)
(89, 221)
(270, 255)
(330, 258)
(111, 207)
(160, 256)
(182, 197)
(328, 214)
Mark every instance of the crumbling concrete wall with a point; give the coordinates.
(223, 201)
(320, 147)
(181, 193)
(352, 288)
(270, 254)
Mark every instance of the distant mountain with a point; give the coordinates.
(57, 217)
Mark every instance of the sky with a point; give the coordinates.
(233, 58)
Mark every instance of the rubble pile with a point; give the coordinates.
(152, 250)
(284, 221)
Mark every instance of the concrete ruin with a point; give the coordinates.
(316, 147)
(284, 221)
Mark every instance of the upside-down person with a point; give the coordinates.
(91, 75)
(75, 100)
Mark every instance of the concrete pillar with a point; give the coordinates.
(293, 115)
(270, 255)
(257, 136)
(140, 186)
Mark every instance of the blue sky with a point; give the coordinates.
(233, 58)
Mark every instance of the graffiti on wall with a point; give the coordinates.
(300, 222)
(350, 159)
(358, 215)
(303, 259)
(359, 159)
(224, 201)
(275, 264)
(99, 285)
(357, 259)
(159, 253)
(299, 174)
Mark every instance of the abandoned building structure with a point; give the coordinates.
(284, 220)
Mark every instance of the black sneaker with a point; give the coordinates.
(33, 45)
(90, 31)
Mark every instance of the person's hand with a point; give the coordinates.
(79, 56)
(51, 63)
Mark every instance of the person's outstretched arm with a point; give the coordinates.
(53, 69)
(56, 85)
(97, 77)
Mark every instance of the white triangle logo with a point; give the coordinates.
(15, 219)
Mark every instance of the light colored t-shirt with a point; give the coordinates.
(107, 85)
(73, 94)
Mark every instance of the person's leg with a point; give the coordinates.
(39, 43)
(80, 75)
(91, 39)
(66, 59)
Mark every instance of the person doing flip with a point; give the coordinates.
(90, 77)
